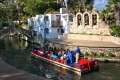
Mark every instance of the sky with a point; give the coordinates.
(99, 4)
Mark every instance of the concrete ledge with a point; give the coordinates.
(108, 59)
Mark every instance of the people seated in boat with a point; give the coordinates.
(40, 51)
(46, 53)
(59, 54)
(77, 51)
(52, 55)
(64, 55)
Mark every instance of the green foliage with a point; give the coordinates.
(93, 54)
(111, 55)
(34, 7)
(101, 55)
(76, 5)
(30, 27)
(114, 30)
(109, 16)
(86, 54)
(8, 12)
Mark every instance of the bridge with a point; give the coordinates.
(13, 30)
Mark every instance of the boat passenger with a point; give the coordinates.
(52, 55)
(64, 55)
(77, 51)
(46, 53)
(59, 54)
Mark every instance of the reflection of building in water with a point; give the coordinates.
(88, 22)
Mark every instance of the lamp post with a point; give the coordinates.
(44, 28)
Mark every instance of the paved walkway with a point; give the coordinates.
(8, 72)
(86, 43)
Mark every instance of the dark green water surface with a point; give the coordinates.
(17, 53)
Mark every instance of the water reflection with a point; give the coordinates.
(54, 71)
(17, 53)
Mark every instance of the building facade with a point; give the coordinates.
(51, 24)
(89, 23)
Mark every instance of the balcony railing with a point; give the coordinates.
(56, 23)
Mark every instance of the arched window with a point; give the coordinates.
(94, 19)
(86, 18)
(79, 20)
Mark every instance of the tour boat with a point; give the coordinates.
(83, 66)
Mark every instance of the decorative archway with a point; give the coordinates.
(79, 20)
(86, 19)
(94, 19)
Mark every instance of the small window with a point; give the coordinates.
(46, 18)
(58, 30)
(46, 30)
(70, 18)
(58, 17)
(62, 31)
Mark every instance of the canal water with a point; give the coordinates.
(17, 53)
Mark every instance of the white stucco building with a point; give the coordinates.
(54, 24)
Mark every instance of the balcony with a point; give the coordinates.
(56, 23)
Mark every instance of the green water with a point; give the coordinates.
(17, 53)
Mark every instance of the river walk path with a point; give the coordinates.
(86, 43)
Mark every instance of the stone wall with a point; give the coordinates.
(98, 50)
(100, 27)
(94, 38)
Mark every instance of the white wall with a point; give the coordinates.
(39, 24)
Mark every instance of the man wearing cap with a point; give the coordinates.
(77, 50)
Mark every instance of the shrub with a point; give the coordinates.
(31, 27)
(101, 54)
(86, 54)
(111, 55)
(93, 54)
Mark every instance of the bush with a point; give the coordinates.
(31, 27)
(93, 54)
(86, 54)
(101, 54)
(111, 55)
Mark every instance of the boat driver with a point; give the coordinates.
(77, 51)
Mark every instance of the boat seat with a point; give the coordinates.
(58, 60)
(54, 59)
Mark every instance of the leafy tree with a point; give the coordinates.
(8, 11)
(114, 30)
(81, 5)
(40, 6)
(108, 15)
